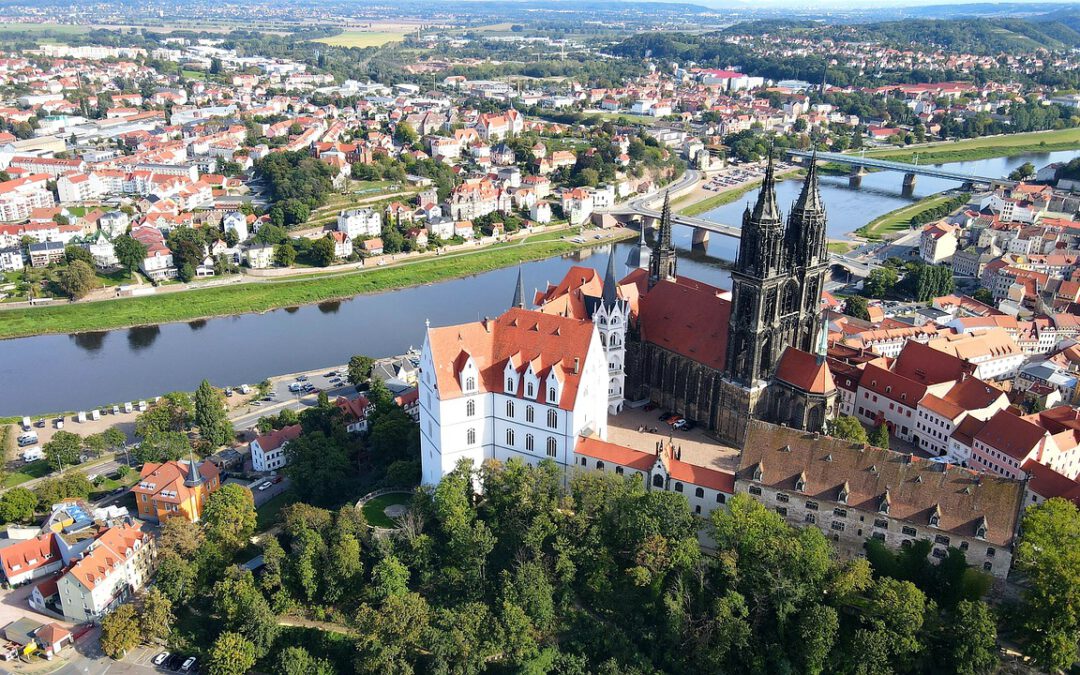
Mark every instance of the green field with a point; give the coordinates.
(898, 220)
(269, 513)
(193, 74)
(27, 472)
(840, 247)
(373, 508)
(362, 38)
(984, 148)
(63, 29)
(267, 295)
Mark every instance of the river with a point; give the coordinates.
(77, 372)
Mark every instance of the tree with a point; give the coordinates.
(879, 437)
(120, 632)
(210, 416)
(271, 234)
(360, 369)
(857, 307)
(297, 661)
(78, 279)
(63, 450)
(73, 252)
(322, 251)
(17, 505)
(880, 282)
(972, 638)
(1022, 172)
(284, 254)
(129, 251)
(389, 577)
(405, 135)
(156, 616)
(162, 446)
(984, 296)
(319, 466)
(1049, 556)
(230, 516)
(849, 428)
(171, 413)
(232, 654)
(115, 439)
(95, 445)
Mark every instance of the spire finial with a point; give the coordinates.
(810, 196)
(610, 295)
(519, 292)
(766, 209)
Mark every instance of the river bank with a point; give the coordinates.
(696, 203)
(271, 294)
(973, 149)
(899, 220)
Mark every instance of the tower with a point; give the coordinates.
(805, 250)
(643, 251)
(764, 313)
(662, 260)
(611, 317)
(519, 292)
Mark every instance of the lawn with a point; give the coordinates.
(373, 508)
(362, 38)
(984, 148)
(260, 297)
(269, 513)
(27, 472)
(193, 74)
(898, 220)
(840, 247)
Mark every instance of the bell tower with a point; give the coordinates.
(662, 260)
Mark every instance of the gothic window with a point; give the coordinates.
(470, 384)
(529, 390)
(551, 395)
(791, 300)
(529, 442)
(603, 340)
(551, 446)
(529, 412)
(658, 481)
(509, 408)
(510, 437)
(509, 384)
(470, 408)
(470, 436)
(552, 419)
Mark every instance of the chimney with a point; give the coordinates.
(577, 365)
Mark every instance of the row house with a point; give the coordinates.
(993, 353)
(853, 492)
(49, 165)
(939, 416)
(705, 488)
(1006, 442)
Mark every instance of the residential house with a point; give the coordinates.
(116, 565)
(175, 489)
(268, 450)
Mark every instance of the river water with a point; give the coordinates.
(74, 372)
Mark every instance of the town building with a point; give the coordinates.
(268, 450)
(116, 565)
(175, 489)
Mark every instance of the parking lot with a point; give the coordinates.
(697, 446)
(147, 655)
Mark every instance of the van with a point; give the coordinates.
(26, 424)
(95, 414)
(244, 389)
(32, 454)
(28, 439)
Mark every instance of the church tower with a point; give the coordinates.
(662, 260)
(805, 250)
(765, 293)
(611, 317)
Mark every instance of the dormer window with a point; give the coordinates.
(844, 492)
(935, 517)
(757, 472)
(800, 483)
(884, 506)
(470, 384)
(980, 531)
(529, 390)
(510, 385)
(551, 394)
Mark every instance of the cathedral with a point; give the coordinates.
(719, 357)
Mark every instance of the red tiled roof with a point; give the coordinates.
(804, 371)
(1011, 434)
(724, 481)
(616, 454)
(32, 549)
(687, 317)
(277, 437)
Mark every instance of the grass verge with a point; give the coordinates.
(840, 247)
(373, 508)
(270, 294)
(899, 219)
(269, 514)
(27, 472)
(985, 148)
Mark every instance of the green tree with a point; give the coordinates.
(984, 296)
(319, 467)
(405, 134)
(120, 632)
(129, 251)
(298, 661)
(322, 251)
(1022, 172)
(17, 505)
(210, 416)
(389, 577)
(857, 307)
(879, 437)
(162, 446)
(78, 279)
(285, 254)
(880, 282)
(972, 639)
(849, 428)
(115, 440)
(230, 516)
(360, 369)
(232, 654)
(1049, 556)
(156, 616)
(63, 450)
(171, 413)
(73, 252)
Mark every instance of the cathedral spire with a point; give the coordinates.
(810, 197)
(610, 292)
(662, 260)
(766, 210)
(519, 292)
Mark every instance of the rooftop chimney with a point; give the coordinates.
(577, 365)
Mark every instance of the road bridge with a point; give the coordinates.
(861, 163)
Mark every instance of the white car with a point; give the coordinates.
(188, 665)
(160, 658)
(265, 485)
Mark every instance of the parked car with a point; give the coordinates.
(28, 439)
(302, 378)
(160, 658)
(665, 415)
(264, 485)
(188, 665)
(683, 424)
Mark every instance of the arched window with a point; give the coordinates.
(553, 419)
(678, 486)
(470, 408)
(509, 408)
(791, 302)
(529, 390)
(603, 340)
(619, 470)
(509, 384)
(699, 493)
(599, 465)
(658, 481)
(551, 446)
(551, 395)
(510, 437)
(720, 498)
(529, 412)
(470, 384)
(529, 442)
(615, 340)
(470, 436)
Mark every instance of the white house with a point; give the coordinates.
(268, 450)
(114, 223)
(523, 385)
(359, 223)
(235, 220)
(259, 256)
(117, 564)
(11, 259)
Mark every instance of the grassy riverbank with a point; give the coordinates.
(266, 295)
(984, 148)
(899, 220)
(726, 197)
